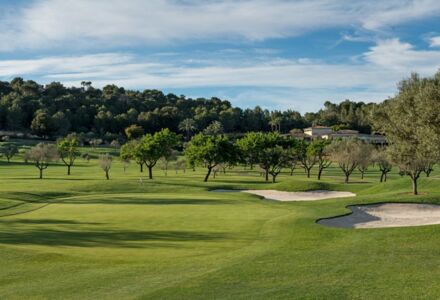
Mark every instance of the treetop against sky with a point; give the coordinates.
(277, 54)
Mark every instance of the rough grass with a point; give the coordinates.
(82, 237)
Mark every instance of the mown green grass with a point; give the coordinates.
(82, 237)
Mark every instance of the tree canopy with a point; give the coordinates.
(53, 110)
(209, 151)
(411, 122)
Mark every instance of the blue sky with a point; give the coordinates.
(276, 54)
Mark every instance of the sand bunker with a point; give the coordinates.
(294, 196)
(387, 215)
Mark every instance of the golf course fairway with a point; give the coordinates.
(84, 237)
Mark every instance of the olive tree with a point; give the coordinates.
(381, 158)
(277, 158)
(428, 166)
(307, 157)
(105, 162)
(292, 151)
(318, 149)
(366, 158)
(347, 154)
(42, 155)
(411, 123)
(9, 150)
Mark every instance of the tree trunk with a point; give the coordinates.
(106, 175)
(141, 166)
(68, 170)
(414, 185)
(382, 177)
(308, 173)
(319, 173)
(274, 177)
(150, 172)
(362, 175)
(385, 177)
(346, 177)
(41, 173)
(207, 175)
(266, 174)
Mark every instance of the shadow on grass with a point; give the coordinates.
(146, 201)
(121, 238)
(229, 183)
(42, 197)
(49, 178)
(47, 222)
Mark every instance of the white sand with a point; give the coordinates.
(299, 196)
(293, 196)
(387, 215)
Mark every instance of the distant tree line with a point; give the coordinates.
(53, 110)
(410, 120)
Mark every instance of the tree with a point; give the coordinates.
(125, 164)
(115, 144)
(214, 128)
(249, 147)
(130, 151)
(60, 123)
(42, 124)
(428, 166)
(9, 150)
(167, 142)
(258, 147)
(188, 126)
(275, 121)
(411, 122)
(152, 147)
(134, 132)
(366, 158)
(347, 153)
(277, 158)
(292, 146)
(381, 158)
(68, 150)
(95, 142)
(86, 156)
(209, 151)
(42, 155)
(307, 156)
(271, 158)
(180, 164)
(318, 149)
(105, 162)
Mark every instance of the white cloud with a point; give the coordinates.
(434, 41)
(389, 13)
(282, 81)
(103, 23)
(393, 54)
